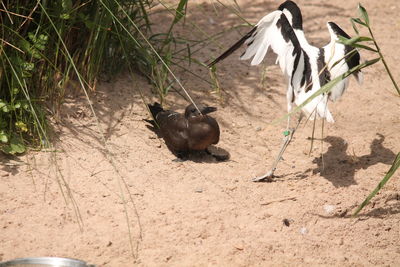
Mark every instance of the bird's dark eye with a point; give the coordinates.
(193, 110)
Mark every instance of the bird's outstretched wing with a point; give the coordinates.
(275, 31)
(340, 58)
(233, 48)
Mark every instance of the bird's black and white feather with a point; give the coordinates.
(306, 67)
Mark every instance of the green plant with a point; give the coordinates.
(45, 44)
(363, 42)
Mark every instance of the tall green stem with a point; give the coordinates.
(384, 61)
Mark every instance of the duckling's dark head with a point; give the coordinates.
(191, 111)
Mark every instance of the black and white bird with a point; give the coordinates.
(306, 67)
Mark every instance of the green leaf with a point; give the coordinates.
(39, 46)
(357, 20)
(65, 16)
(43, 38)
(365, 47)
(3, 137)
(180, 11)
(32, 36)
(354, 26)
(16, 146)
(36, 55)
(22, 126)
(5, 108)
(17, 105)
(395, 166)
(15, 91)
(363, 13)
(354, 40)
(364, 39)
(2, 104)
(66, 5)
(26, 74)
(343, 40)
(24, 45)
(66, 9)
(27, 66)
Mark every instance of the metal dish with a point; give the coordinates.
(45, 262)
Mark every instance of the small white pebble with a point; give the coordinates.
(329, 208)
(303, 230)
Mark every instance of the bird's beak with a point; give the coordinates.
(207, 110)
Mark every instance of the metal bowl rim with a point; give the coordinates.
(46, 261)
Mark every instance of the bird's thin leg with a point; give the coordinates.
(270, 175)
(288, 124)
(289, 98)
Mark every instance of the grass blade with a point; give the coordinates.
(363, 13)
(354, 40)
(357, 20)
(392, 170)
(365, 47)
(353, 23)
(180, 13)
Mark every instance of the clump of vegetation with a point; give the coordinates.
(45, 44)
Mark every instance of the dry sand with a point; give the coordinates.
(201, 212)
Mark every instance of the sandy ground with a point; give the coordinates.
(133, 203)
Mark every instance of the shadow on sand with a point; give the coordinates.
(339, 167)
